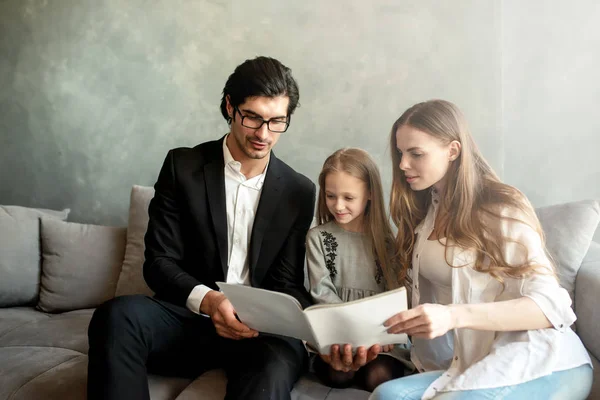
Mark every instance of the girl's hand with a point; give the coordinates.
(426, 321)
(341, 359)
(386, 348)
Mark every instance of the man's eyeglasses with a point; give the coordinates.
(255, 122)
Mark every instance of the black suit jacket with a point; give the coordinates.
(186, 240)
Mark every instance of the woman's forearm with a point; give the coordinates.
(510, 315)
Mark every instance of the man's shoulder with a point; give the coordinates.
(201, 153)
(294, 177)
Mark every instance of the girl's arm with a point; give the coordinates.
(322, 289)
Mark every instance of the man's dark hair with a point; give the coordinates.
(261, 76)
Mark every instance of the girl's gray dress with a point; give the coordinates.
(341, 268)
(340, 265)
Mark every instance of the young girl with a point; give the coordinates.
(489, 319)
(348, 253)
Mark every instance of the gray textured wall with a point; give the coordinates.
(93, 93)
(551, 97)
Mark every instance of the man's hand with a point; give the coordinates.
(342, 360)
(221, 311)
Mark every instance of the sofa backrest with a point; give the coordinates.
(569, 229)
(587, 300)
(20, 262)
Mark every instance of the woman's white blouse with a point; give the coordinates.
(489, 359)
(435, 286)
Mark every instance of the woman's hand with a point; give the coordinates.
(426, 321)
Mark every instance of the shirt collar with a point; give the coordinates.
(435, 195)
(227, 157)
(255, 182)
(435, 200)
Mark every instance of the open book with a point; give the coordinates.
(358, 322)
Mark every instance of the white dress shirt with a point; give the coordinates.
(241, 197)
(489, 359)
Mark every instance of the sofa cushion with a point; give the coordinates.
(55, 374)
(211, 386)
(569, 229)
(67, 331)
(65, 380)
(166, 387)
(20, 253)
(595, 393)
(80, 264)
(348, 394)
(14, 317)
(20, 365)
(131, 280)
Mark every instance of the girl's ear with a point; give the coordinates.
(454, 150)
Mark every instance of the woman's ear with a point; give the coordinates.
(454, 150)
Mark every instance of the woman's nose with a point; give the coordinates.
(403, 164)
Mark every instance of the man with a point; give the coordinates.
(225, 210)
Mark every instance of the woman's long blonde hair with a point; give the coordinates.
(474, 201)
(376, 226)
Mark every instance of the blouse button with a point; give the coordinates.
(456, 358)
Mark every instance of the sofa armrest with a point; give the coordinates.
(587, 300)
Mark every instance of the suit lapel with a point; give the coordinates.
(269, 198)
(214, 179)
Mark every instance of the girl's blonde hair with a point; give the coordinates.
(475, 201)
(376, 226)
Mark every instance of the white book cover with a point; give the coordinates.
(359, 322)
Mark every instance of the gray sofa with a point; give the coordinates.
(53, 273)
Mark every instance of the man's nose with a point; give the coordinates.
(263, 132)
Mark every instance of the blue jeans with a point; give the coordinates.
(572, 384)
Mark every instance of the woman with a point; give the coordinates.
(489, 319)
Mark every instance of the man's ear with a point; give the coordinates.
(454, 151)
(228, 106)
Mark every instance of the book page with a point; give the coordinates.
(268, 311)
(359, 322)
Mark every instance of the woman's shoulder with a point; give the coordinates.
(505, 202)
(510, 219)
